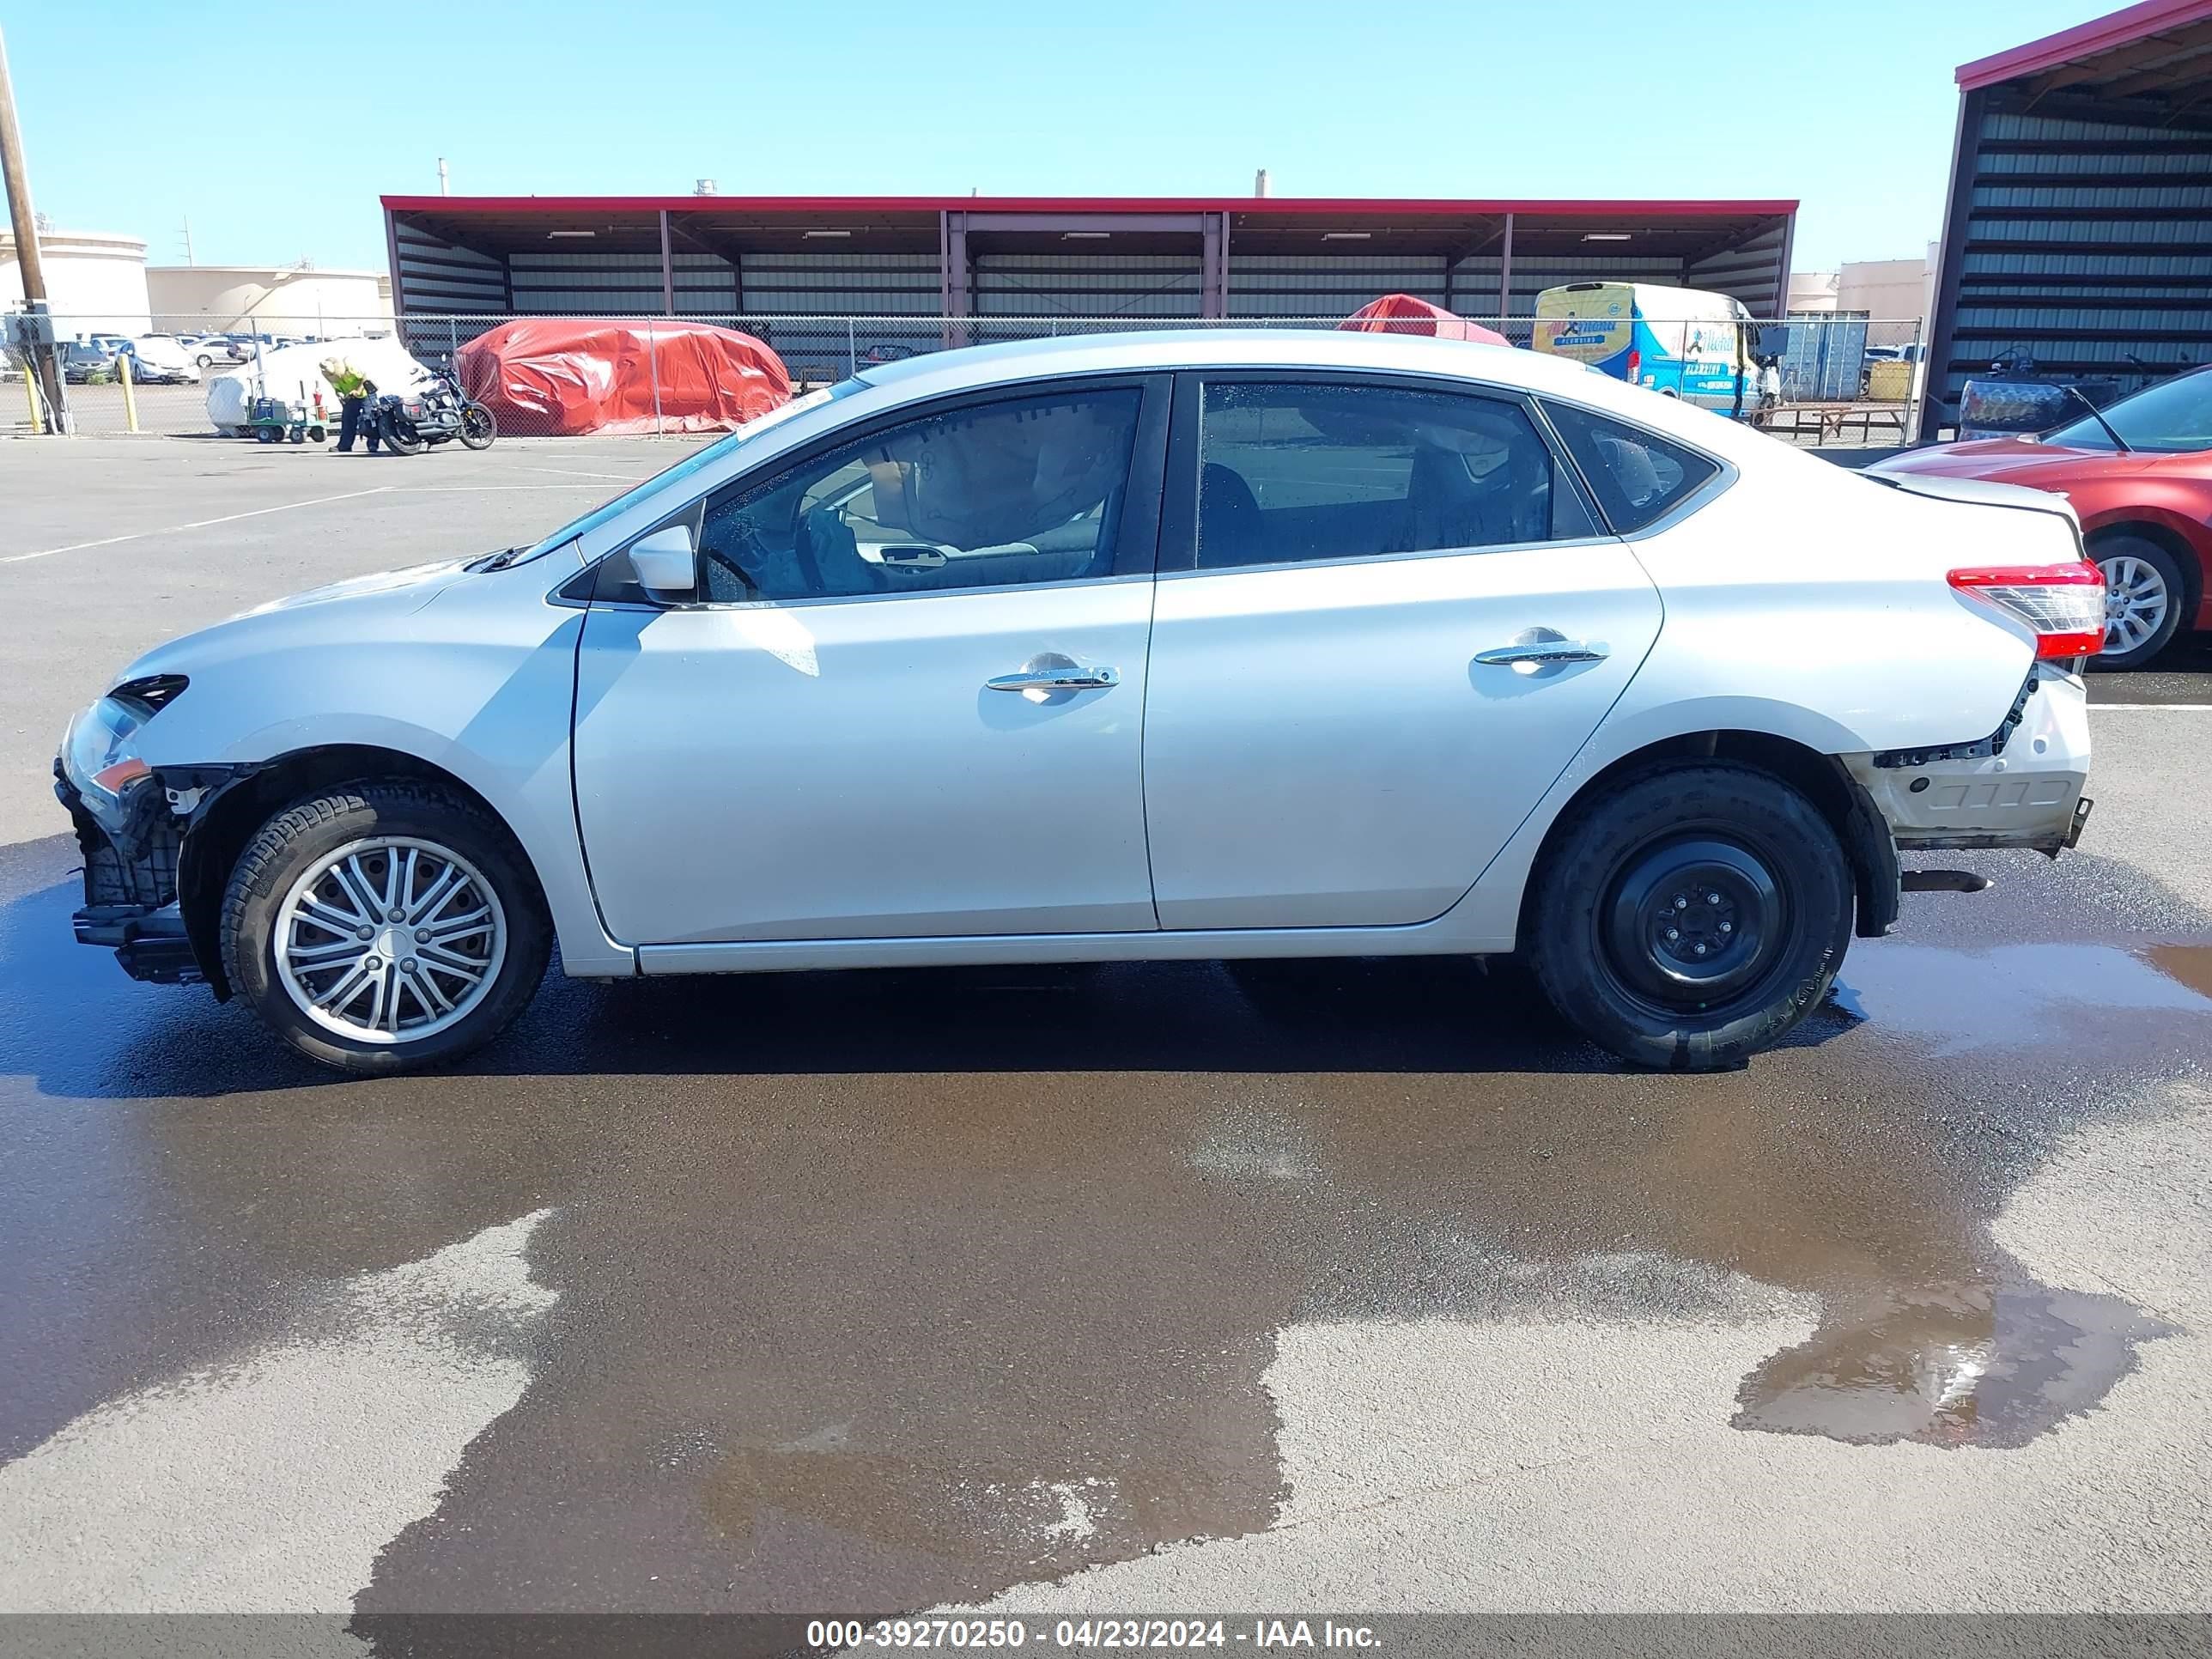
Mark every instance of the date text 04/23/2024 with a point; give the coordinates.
(1108, 1634)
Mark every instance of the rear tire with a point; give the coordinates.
(434, 983)
(2148, 596)
(1689, 918)
(399, 440)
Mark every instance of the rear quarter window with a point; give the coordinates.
(1637, 477)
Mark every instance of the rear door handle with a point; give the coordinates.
(1541, 651)
(1071, 678)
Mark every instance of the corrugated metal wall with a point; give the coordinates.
(1533, 273)
(1750, 271)
(589, 285)
(1089, 284)
(435, 276)
(2085, 242)
(1330, 285)
(842, 284)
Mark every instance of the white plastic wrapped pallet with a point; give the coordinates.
(295, 374)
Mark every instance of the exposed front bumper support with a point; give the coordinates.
(150, 942)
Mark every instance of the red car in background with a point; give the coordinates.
(2139, 474)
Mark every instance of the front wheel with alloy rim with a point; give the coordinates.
(1690, 917)
(2143, 598)
(383, 926)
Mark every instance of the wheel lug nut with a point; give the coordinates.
(1681, 903)
(365, 932)
(1698, 949)
(399, 916)
(1712, 898)
(1728, 927)
(1674, 933)
(408, 966)
(371, 962)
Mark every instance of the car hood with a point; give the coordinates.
(357, 608)
(2009, 460)
(427, 578)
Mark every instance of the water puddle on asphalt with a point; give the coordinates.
(2015, 994)
(1957, 1365)
(2188, 964)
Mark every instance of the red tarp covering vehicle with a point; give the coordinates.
(560, 376)
(1402, 314)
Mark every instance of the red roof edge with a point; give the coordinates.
(2118, 29)
(1288, 205)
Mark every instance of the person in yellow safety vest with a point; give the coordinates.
(354, 389)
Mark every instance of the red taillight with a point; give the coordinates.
(2064, 603)
(1635, 365)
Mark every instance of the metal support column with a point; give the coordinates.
(667, 269)
(1505, 272)
(1213, 297)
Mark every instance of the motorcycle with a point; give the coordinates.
(435, 413)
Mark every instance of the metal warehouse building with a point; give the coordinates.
(2079, 223)
(724, 257)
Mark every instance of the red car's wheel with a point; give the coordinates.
(2144, 598)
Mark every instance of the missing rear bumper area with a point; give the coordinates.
(2019, 786)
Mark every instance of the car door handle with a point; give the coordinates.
(1070, 678)
(1541, 651)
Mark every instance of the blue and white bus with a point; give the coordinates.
(1681, 341)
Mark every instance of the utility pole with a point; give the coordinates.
(188, 238)
(40, 357)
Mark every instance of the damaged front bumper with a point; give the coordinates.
(2019, 786)
(133, 857)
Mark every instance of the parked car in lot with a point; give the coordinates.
(2139, 475)
(159, 359)
(82, 359)
(1229, 644)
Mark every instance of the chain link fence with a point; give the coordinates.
(1816, 379)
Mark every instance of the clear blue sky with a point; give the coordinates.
(274, 126)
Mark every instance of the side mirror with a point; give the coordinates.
(665, 562)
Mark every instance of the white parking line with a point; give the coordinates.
(197, 524)
(577, 472)
(286, 507)
(2182, 707)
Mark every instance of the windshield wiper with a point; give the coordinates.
(2110, 431)
(499, 561)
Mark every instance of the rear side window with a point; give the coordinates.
(1291, 472)
(1637, 476)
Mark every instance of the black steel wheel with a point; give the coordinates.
(1690, 917)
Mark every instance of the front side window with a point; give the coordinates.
(1637, 476)
(1028, 490)
(1295, 471)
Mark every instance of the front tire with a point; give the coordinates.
(2145, 595)
(478, 427)
(384, 926)
(1689, 918)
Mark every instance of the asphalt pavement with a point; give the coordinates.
(1304, 1286)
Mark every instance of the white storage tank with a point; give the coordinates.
(299, 300)
(95, 280)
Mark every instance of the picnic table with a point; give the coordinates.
(1825, 423)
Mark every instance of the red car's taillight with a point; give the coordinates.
(1635, 365)
(2064, 604)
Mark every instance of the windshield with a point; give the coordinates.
(690, 463)
(2169, 418)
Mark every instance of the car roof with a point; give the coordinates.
(1217, 348)
(1302, 350)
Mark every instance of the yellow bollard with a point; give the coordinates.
(31, 391)
(130, 399)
